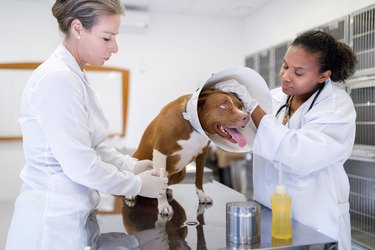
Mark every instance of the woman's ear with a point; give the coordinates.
(324, 76)
(76, 28)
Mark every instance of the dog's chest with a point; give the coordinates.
(190, 149)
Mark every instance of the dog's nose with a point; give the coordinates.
(245, 119)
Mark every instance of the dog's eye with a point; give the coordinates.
(223, 106)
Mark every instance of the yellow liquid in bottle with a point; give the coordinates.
(281, 221)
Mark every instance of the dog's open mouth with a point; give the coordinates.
(232, 135)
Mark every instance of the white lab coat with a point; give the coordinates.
(312, 148)
(63, 130)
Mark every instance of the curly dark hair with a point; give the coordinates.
(332, 54)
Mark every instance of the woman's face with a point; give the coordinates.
(97, 45)
(300, 73)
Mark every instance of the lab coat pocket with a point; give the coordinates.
(297, 180)
(67, 197)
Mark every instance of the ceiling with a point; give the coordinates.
(219, 8)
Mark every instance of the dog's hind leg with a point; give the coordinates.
(159, 162)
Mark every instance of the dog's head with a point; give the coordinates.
(221, 113)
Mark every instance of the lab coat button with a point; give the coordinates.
(268, 181)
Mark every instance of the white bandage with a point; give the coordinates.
(159, 161)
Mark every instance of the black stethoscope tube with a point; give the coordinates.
(311, 105)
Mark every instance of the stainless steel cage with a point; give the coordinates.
(362, 39)
(268, 63)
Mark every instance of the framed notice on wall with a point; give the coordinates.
(111, 85)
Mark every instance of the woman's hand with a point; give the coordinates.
(141, 166)
(153, 186)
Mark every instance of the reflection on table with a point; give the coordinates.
(193, 225)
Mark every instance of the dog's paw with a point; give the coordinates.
(161, 222)
(130, 197)
(203, 198)
(130, 200)
(165, 209)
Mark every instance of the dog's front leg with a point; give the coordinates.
(199, 162)
(159, 162)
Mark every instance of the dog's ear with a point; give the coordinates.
(204, 94)
(201, 100)
(210, 91)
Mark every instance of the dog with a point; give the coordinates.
(171, 142)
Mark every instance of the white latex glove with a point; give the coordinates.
(153, 186)
(240, 91)
(136, 166)
(141, 166)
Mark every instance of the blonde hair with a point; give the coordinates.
(86, 11)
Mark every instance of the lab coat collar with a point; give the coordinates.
(64, 54)
(281, 97)
(324, 93)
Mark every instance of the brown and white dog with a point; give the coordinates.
(171, 142)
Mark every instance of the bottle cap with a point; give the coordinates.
(280, 189)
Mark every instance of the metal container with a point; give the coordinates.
(243, 223)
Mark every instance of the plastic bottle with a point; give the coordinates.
(281, 221)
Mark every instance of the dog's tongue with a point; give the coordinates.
(237, 136)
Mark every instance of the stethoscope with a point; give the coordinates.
(287, 104)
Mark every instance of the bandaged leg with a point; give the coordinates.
(159, 162)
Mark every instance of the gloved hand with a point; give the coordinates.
(136, 166)
(141, 166)
(153, 186)
(240, 91)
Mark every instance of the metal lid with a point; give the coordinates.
(243, 208)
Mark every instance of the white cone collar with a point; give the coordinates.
(258, 90)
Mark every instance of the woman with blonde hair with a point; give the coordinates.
(64, 129)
